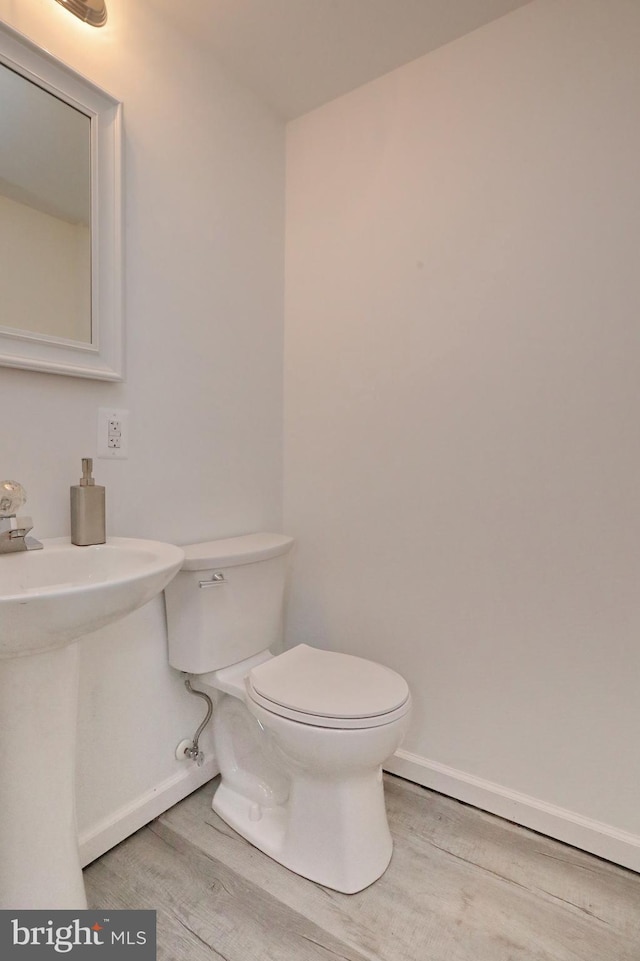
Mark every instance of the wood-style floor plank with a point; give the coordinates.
(211, 906)
(462, 886)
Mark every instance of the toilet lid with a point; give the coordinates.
(327, 685)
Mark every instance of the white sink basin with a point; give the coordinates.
(51, 597)
(48, 600)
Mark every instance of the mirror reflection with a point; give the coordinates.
(45, 213)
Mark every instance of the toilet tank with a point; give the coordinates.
(225, 603)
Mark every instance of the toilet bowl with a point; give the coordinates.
(300, 737)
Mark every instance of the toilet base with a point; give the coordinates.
(332, 832)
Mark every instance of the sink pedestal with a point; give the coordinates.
(39, 863)
(49, 600)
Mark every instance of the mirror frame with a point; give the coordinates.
(103, 358)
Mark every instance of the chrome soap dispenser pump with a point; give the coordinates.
(87, 509)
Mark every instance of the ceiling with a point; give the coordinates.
(299, 54)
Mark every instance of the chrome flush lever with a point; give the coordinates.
(218, 578)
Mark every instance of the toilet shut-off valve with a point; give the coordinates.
(189, 750)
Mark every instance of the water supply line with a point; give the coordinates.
(190, 749)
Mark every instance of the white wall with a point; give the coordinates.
(204, 177)
(462, 387)
(45, 266)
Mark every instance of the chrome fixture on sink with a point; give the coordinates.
(14, 529)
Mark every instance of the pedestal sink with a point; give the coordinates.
(48, 600)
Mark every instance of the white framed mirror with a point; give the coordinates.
(60, 217)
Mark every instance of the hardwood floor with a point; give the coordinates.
(462, 886)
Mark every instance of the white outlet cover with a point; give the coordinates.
(105, 415)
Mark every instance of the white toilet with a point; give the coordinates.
(300, 737)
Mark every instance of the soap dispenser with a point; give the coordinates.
(87, 509)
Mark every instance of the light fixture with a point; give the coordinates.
(93, 12)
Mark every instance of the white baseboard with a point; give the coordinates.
(598, 838)
(128, 819)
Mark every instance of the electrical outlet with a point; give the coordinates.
(113, 432)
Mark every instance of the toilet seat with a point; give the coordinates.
(328, 689)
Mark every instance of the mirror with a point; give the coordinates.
(60, 217)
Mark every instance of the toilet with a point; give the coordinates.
(300, 737)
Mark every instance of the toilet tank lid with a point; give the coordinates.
(233, 551)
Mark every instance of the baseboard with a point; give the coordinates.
(598, 838)
(129, 818)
